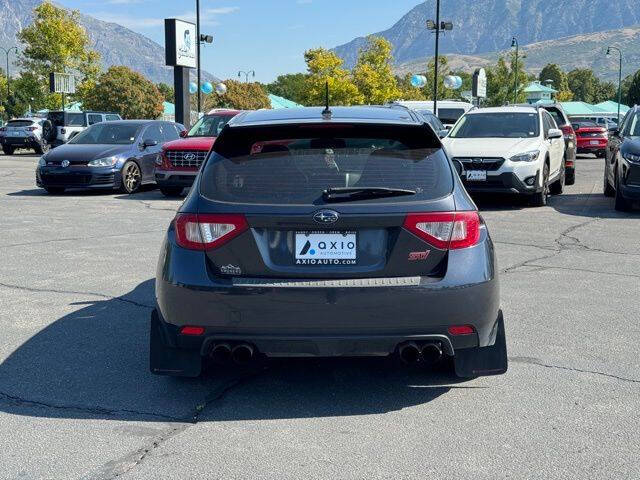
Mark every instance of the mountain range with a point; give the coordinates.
(549, 31)
(116, 44)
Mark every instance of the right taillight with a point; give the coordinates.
(567, 130)
(445, 230)
(207, 231)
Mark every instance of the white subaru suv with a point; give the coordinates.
(515, 149)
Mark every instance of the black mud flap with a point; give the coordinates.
(164, 360)
(478, 362)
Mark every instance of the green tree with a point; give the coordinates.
(240, 95)
(605, 91)
(583, 83)
(290, 86)
(553, 72)
(408, 91)
(56, 42)
(373, 74)
(167, 92)
(632, 96)
(501, 82)
(326, 67)
(27, 91)
(126, 92)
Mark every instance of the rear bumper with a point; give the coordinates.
(78, 177)
(344, 318)
(175, 178)
(29, 141)
(507, 182)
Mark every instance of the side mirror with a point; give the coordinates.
(149, 143)
(443, 133)
(457, 164)
(183, 133)
(554, 133)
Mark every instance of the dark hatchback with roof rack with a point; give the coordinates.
(336, 233)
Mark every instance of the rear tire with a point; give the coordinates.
(54, 190)
(42, 148)
(622, 204)
(609, 191)
(8, 150)
(539, 199)
(558, 186)
(171, 191)
(570, 177)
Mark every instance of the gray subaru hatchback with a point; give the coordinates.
(323, 233)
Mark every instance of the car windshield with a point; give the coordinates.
(432, 119)
(107, 134)
(209, 126)
(295, 165)
(634, 126)
(497, 125)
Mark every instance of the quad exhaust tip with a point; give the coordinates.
(428, 353)
(242, 354)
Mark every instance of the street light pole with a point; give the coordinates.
(246, 75)
(435, 65)
(514, 43)
(7, 51)
(198, 52)
(619, 78)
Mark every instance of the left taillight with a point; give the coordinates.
(207, 231)
(445, 230)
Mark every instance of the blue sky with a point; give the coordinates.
(268, 36)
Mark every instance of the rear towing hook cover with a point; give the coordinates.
(164, 360)
(484, 361)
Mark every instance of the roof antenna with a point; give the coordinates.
(326, 113)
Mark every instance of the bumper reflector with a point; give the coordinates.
(194, 331)
(457, 330)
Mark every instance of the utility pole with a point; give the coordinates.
(437, 26)
(7, 51)
(619, 78)
(198, 53)
(514, 43)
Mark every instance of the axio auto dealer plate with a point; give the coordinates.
(476, 175)
(325, 248)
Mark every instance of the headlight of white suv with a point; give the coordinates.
(103, 162)
(526, 156)
(631, 157)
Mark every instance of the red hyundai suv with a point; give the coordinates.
(180, 160)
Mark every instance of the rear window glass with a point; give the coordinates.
(74, 119)
(19, 123)
(497, 125)
(450, 115)
(294, 165)
(556, 116)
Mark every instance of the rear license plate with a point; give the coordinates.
(594, 142)
(16, 134)
(476, 175)
(326, 248)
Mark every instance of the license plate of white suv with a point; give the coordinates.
(476, 175)
(326, 248)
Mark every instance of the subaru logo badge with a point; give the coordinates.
(65, 163)
(326, 216)
(189, 157)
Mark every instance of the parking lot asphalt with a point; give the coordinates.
(77, 400)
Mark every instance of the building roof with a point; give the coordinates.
(581, 108)
(281, 102)
(537, 87)
(612, 107)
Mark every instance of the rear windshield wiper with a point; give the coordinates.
(346, 194)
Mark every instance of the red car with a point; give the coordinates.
(591, 138)
(180, 160)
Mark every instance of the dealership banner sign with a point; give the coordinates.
(180, 43)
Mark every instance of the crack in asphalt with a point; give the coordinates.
(537, 362)
(123, 466)
(90, 409)
(151, 207)
(44, 242)
(75, 292)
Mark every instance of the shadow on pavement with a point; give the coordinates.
(149, 189)
(93, 363)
